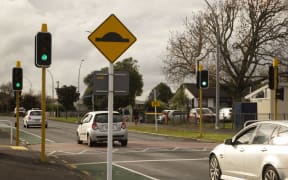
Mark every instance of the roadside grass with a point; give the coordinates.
(182, 132)
(74, 120)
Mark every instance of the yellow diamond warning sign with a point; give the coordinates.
(112, 38)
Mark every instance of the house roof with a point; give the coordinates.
(210, 92)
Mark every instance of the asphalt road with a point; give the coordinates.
(145, 157)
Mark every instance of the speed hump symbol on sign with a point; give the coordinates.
(112, 38)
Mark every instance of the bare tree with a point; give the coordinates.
(186, 49)
(251, 34)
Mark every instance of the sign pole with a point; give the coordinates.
(110, 121)
(155, 109)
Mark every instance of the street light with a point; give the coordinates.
(52, 79)
(79, 75)
(217, 63)
(79, 86)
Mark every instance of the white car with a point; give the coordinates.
(258, 151)
(225, 114)
(93, 128)
(33, 118)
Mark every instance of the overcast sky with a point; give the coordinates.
(151, 21)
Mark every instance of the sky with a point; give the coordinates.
(70, 21)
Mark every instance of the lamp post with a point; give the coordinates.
(79, 75)
(52, 79)
(217, 64)
(79, 85)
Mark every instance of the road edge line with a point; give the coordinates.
(136, 172)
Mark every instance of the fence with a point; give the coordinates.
(236, 122)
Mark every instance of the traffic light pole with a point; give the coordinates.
(17, 118)
(43, 106)
(17, 92)
(275, 66)
(200, 102)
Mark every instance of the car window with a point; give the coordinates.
(246, 137)
(263, 133)
(35, 113)
(103, 118)
(86, 118)
(281, 137)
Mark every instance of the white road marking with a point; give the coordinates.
(136, 172)
(37, 136)
(140, 161)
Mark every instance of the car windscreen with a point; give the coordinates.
(103, 118)
(35, 113)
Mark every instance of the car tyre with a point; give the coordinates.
(90, 143)
(124, 142)
(270, 173)
(214, 168)
(78, 139)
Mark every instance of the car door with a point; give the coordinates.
(255, 152)
(83, 126)
(232, 159)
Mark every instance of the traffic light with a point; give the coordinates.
(204, 79)
(43, 42)
(271, 78)
(17, 79)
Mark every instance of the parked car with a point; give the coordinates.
(93, 128)
(258, 151)
(225, 114)
(207, 115)
(22, 111)
(33, 118)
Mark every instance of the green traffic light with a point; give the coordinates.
(204, 84)
(44, 57)
(18, 84)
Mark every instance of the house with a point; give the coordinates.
(208, 96)
(264, 97)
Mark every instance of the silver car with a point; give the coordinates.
(258, 151)
(93, 128)
(33, 118)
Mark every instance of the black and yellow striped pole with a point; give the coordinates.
(275, 66)
(18, 65)
(43, 106)
(200, 68)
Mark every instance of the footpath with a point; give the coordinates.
(17, 162)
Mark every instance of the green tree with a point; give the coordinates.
(180, 100)
(67, 95)
(30, 101)
(135, 86)
(163, 93)
(7, 102)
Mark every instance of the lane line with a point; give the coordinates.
(37, 136)
(140, 161)
(136, 172)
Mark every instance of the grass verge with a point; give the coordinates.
(207, 135)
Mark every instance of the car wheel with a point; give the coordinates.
(124, 142)
(27, 126)
(78, 139)
(270, 173)
(214, 168)
(90, 143)
(46, 126)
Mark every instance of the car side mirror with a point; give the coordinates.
(228, 142)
